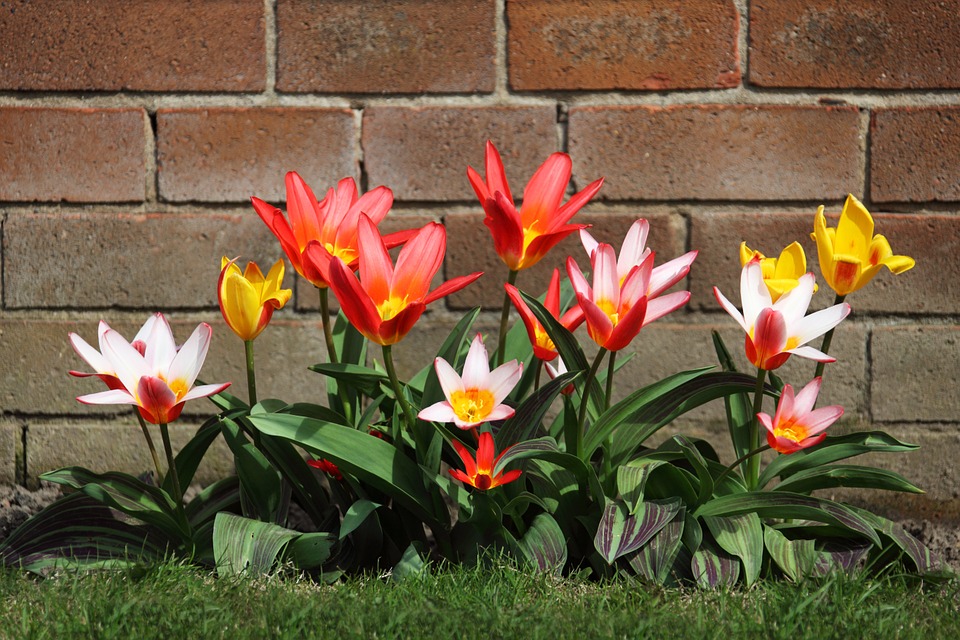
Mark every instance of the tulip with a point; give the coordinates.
(556, 372)
(478, 396)
(775, 331)
(797, 425)
(327, 467)
(102, 367)
(160, 379)
(543, 347)
(779, 274)
(851, 255)
(523, 237)
(480, 473)
(247, 299)
(386, 301)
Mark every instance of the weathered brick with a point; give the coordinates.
(583, 44)
(470, 248)
(717, 152)
(138, 45)
(113, 446)
(37, 356)
(388, 46)
(915, 155)
(76, 155)
(422, 153)
(10, 442)
(870, 44)
(230, 154)
(153, 261)
(914, 370)
(933, 286)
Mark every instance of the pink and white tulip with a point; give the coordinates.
(158, 378)
(476, 397)
(777, 330)
(797, 425)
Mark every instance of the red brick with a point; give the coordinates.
(386, 46)
(933, 286)
(422, 153)
(75, 155)
(470, 248)
(584, 44)
(717, 152)
(915, 371)
(915, 155)
(153, 262)
(136, 45)
(227, 154)
(870, 44)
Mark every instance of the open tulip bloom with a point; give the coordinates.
(102, 368)
(797, 425)
(543, 347)
(248, 299)
(523, 237)
(850, 255)
(779, 274)
(479, 473)
(160, 379)
(777, 330)
(476, 397)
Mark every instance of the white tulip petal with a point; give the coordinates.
(113, 396)
(450, 380)
(438, 412)
(729, 308)
(476, 367)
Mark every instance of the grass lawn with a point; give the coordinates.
(171, 601)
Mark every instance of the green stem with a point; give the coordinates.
(740, 460)
(409, 417)
(611, 366)
(327, 329)
(153, 449)
(504, 318)
(827, 339)
(753, 469)
(574, 437)
(536, 362)
(251, 373)
(171, 466)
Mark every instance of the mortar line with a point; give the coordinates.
(3, 263)
(866, 194)
(24, 468)
(743, 39)
(500, 82)
(151, 161)
(270, 47)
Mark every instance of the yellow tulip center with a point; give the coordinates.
(610, 310)
(791, 431)
(544, 342)
(472, 405)
(347, 254)
(391, 307)
(179, 387)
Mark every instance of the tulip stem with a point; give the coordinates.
(611, 366)
(504, 317)
(408, 414)
(153, 449)
(827, 339)
(575, 436)
(753, 468)
(171, 466)
(539, 367)
(747, 456)
(251, 373)
(327, 329)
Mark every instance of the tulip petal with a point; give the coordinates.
(90, 355)
(501, 381)
(376, 268)
(438, 412)
(476, 366)
(503, 220)
(670, 273)
(449, 379)
(818, 420)
(659, 307)
(189, 360)
(633, 251)
(794, 303)
(807, 398)
(818, 323)
(419, 260)
(113, 396)
(854, 230)
(543, 193)
(468, 462)
(451, 286)
(730, 309)
(156, 400)
(354, 300)
(628, 327)
(812, 354)
(496, 177)
(577, 202)
(599, 325)
(303, 209)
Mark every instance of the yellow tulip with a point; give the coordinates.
(851, 255)
(779, 274)
(247, 299)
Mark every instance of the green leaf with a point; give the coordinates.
(412, 564)
(741, 536)
(655, 559)
(222, 495)
(846, 475)
(365, 457)
(355, 515)
(544, 546)
(796, 558)
(833, 449)
(288, 460)
(619, 533)
(738, 407)
(188, 458)
(309, 550)
(631, 480)
(926, 562)
(524, 423)
(777, 504)
(260, 484)
(546, 448)
(714, 568)
(700, 467)
(242, 545)
(353, 376)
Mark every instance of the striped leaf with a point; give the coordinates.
(544, 546)
(655, 560)
(740, 536)
(796, 558)
(620, 533)
(714, 568)
(846, 475)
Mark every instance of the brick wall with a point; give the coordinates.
(133, 133)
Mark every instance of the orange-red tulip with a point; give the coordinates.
(480, 473)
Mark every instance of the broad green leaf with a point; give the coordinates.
(846, 475)
(700, 467)
(355, 515)
(309, 550)
(631, 480)
(833, 449)
(288, 460)
(796, 558)
(714, 568)
(260, 484)
(741, 536)
(190, 455)
(370, 459)
(654, 560)
(545, 448)
(544, 546)
(315, 411)
(412, 564)
(780, 504)
(350, 343)
(738, 407)
(353, 376)
(926, 562)
(242, 545)
(619, 533)
(521, 501)
(226, 401)
(523, 425)
(848, 558)
(222, 495)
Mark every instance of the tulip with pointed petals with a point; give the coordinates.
(160, 379)
(479, 473)
(317, 232)
(779, 274)
(851, 255)
(102, 367)
(386, 301)
(478, 396)
(777, 330)
(797, 425)
(543, 347)
(247, 299)
(523, 237)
